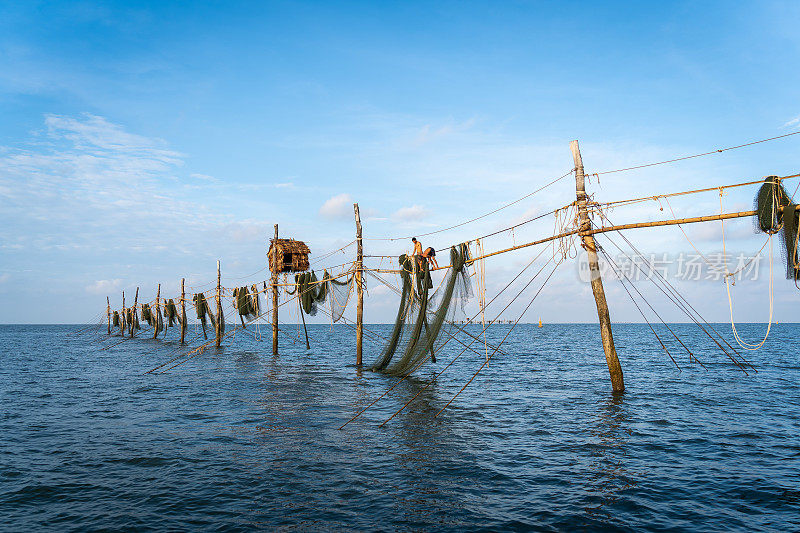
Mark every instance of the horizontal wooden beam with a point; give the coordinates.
(636, 225)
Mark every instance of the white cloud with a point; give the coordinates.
(104, 286)
(5, 277)
(415, 213)
(339, 206)
(794, 123)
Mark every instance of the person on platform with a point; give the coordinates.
(429, 254)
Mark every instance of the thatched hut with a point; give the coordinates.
(292, 256)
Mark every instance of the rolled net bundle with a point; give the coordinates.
(311, 291)
(255, 303)
(203, 310)
(170, 312)
(770, 200)
(425, 321)
(243, 303)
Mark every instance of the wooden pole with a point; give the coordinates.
(123, 317)
(155, 316)
(132, 325)
(614, 368)
(219, 306)
(108, 314)
(275, 293)
(359, 287)
(183, 310)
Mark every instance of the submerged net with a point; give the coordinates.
(425, 321)
(770, 199)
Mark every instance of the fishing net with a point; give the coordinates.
(769, 201)
(246, 302)
(115, 322)
(158, 320)
(147, 314)
(203, 311)
(314, 292)
(339, 293)
(170, 312)
(425, 320)
(254, 301)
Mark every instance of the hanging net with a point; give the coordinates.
(425, 320)
(770, 200)
(314, 292)
(204, 312)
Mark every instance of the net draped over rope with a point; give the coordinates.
(313, 292)
(422, 317)
(770, 199)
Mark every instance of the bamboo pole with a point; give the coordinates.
(637, 225)
(123, 317)
(108, 314)
(359, 287)
(275, 293)
(614, 368)
(155, 316)
(219, 306)
(183, 310)
(132, 325)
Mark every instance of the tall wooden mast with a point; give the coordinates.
(614, 368)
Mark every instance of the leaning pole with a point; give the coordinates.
(614, 368)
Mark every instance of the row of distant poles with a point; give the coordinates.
(275, 271)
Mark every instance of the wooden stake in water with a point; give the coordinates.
(359, 286)
(108, 314)
(614, 368)
(275, 293)
(183, 310)
(134, 318)
(155, 316)
(122, 318)
(219, 306)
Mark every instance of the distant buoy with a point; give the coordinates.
(540, 322)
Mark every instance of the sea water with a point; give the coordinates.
(237, 439)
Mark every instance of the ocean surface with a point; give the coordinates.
(238, 439)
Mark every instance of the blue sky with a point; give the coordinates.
(140, 142)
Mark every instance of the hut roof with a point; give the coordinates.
(291, 246)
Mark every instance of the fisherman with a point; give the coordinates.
(429, 254)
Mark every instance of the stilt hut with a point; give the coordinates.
(292, 256)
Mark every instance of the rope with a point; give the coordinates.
(743, 344)
(718, 151)
(695, 191)
(548, 184)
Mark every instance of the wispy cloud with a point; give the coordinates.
(336, 207)
(794, 123)
(414, 213)
(104, 286)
